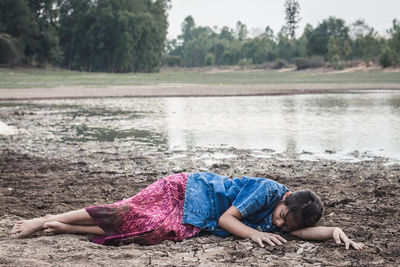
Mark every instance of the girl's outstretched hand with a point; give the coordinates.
(270, 239)
(339, 236)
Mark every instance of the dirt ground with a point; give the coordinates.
(360, 197)
(180, 89)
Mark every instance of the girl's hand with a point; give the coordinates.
(339, 236)
(270, 239)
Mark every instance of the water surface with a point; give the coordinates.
(339, 126)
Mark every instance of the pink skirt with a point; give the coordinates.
(149, 217)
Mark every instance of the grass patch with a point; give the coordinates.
(50, 78)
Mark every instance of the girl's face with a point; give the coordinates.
(283, 218)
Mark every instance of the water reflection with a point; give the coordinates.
(328, 125)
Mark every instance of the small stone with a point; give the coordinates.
(177, 169)
(300, 250)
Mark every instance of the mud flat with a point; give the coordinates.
(360, 197)
(189, 90)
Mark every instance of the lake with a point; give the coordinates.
(348, 127)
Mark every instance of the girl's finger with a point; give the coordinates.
(269, 241)
(283, 240)
(276, 240)
(259, 241)
(347, 242)
(359, 246)
(344, 238)
(336, 237)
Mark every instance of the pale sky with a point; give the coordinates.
(257, 14)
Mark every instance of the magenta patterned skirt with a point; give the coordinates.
(149, 217)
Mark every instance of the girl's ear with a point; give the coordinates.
(286, 195)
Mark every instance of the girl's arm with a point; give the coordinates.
(323, 233)
(230, 221)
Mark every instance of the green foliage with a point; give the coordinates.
(336, 62)
(292, 11)
(113, 35)
(387, 57)
(333, 31)
(210, 59)
(19, 22)
(172, 61)
(187, 29)
(33, 24)
(241, 31)
(129, 35)
(313, 62)
(366, 45)
(338, 48)
(369, 47)
(394, 41)
(259, 49)
(245, 62)
(10, 53)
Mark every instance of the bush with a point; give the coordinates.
(172, 61)
(336, 63)
(245, 62)
(279, 64)
(387, 58)
(209, 59)
(10, 54)
(305, 63)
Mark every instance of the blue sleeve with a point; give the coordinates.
(257, 194)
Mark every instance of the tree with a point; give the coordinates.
(259, 49)
(46, 14)
(394, 41)
(338, 49)
(241, 31)
(360, 28)
(268, 32)
(292, 16)
(365, 44)
(113, 35)
(187, 28)
(332, 30)
(387, 57)
(19, 23)
(9, 52)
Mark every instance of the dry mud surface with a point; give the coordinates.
(362, 198)
(185, 90)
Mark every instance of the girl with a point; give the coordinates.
(182, 206)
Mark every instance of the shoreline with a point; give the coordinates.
(190, 90)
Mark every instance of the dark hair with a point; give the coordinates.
(305, 206)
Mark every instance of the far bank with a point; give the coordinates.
(34, 83)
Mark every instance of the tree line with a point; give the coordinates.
(88, 35)
(130, 36)
(331, 43)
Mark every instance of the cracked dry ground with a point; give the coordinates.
(360, 197)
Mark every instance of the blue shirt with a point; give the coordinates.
(209, 195)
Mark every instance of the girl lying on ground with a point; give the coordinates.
(182, 206)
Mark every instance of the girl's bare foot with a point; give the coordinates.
(51, 228)
(27, 227)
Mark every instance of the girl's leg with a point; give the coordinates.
(56, 227)
(28, 227)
